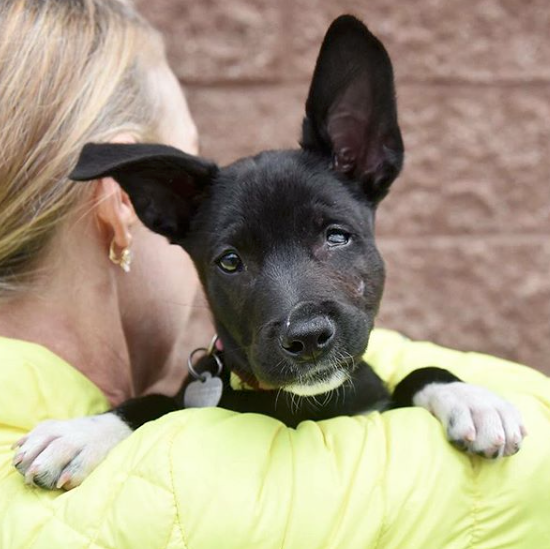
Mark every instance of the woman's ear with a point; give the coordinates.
(115, 211)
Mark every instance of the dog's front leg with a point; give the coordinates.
(475, 419)
(62, 453)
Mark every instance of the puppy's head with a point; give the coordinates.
(284, 241)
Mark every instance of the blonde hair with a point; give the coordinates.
(71, 71)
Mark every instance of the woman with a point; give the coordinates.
(73, 72)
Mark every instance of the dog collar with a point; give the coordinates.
(239, 381)
(239, 384)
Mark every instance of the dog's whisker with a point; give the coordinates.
(312, 401)
(327, 399)
(277, 396)
(235, 348)
(294, 405)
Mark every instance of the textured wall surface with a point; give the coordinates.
(466, 229)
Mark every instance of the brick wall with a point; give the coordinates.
(466, 229)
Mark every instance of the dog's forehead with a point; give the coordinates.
(279, 193)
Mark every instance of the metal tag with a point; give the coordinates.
(203, 393)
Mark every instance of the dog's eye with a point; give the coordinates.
(337, 237)
(230, 262)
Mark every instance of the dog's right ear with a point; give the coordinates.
(165, 184)
(351, 112)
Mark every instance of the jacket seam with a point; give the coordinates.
(293, 488)
(383, 498)
(178, 517)
(474, 510)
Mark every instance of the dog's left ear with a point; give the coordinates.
(351, 111)
(165, 185)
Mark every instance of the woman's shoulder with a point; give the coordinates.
(36, 384)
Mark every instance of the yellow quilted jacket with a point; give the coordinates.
(213, 479)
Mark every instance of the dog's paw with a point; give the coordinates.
(61, 454)
(476, 420)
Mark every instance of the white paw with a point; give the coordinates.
(476, 420)
(61, 454)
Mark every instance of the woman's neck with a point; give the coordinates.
(82, 326)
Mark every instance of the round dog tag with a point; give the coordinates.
(203, 393)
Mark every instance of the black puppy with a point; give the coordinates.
(284, 246)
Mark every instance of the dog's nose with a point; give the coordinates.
(308, 339)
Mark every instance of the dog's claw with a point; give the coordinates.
(19, 443)
(459, 444)
(29, 476)
(62, 480)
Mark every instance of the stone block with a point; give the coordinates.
(216, 40)
(483, 294)
(240, 121)
(474, 40)
(476, 161)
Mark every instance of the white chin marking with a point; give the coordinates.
(333, 381)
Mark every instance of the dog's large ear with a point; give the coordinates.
(165, 184)
(351, 111)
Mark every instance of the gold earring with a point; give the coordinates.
(124, 260)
